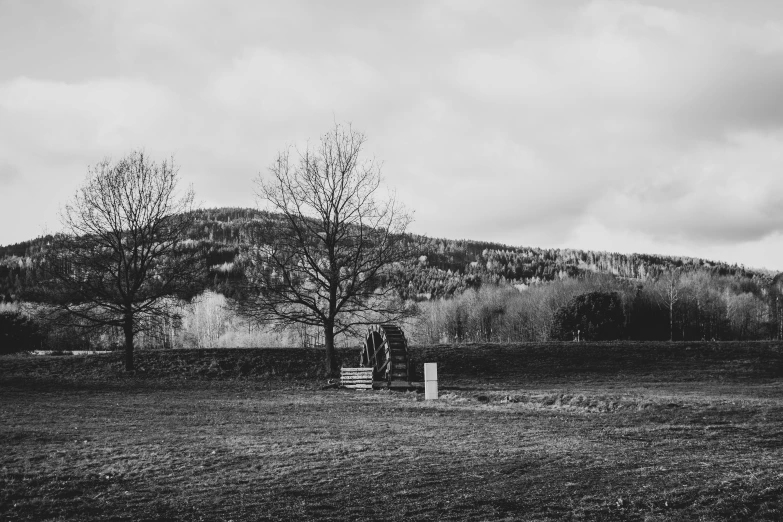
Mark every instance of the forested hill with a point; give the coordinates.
(443, 267)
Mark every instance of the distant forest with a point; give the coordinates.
(480, 291)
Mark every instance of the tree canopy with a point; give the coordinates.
(328, 262)
(123, 250)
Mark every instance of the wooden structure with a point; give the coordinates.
(385, 350)
(356, 378)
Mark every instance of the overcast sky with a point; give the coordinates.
(652, 127)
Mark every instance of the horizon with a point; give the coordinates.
(645, 127)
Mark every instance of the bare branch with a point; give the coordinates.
(123, 250)
(329, 264)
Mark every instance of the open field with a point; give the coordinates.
(537, 432)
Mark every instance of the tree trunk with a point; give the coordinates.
(672, 300)
(330, 362)
(128, 328)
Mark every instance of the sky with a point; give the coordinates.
(650, 127)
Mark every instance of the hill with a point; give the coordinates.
(444, 267)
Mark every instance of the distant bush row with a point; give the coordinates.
(680, 306)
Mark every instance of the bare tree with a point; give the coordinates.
(207, 320)
(668, 291)
(775, 294)
(328, 262)
(124, 248)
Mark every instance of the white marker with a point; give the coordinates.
(430, 381)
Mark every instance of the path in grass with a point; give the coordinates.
(232, 450)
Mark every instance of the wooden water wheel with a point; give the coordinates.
(386, 351)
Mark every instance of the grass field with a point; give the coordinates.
(606, 432)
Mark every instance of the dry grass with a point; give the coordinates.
(600, 447)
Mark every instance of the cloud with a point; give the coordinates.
(54, 130)
(8, 173)
(645, 121)
(283, 85)
(715, 194)
(592, 235)
(93, 118)
(480, 182)
(677, 72)
(655, 123)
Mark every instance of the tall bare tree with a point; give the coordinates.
(124, 248)
(775, 294)
(327, 262)
(669, 292)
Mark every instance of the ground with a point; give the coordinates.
(608, 432)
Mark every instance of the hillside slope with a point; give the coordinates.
(443, 267)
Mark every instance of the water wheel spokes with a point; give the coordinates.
(386, 351)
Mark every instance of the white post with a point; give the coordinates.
(430, 381)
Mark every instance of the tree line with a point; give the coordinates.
(678, 306)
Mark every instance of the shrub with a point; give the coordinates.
(596, 316)
(18, 333)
